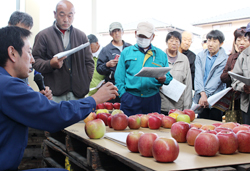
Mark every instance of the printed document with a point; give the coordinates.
(98, 86)
(153, 72)
(174, 90)
(118, 137)
(240, 78)
(70, 52)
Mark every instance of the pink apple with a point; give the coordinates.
(145, 144)
(218, 124)
(190, 113)
(100, 106)
(165, 149)
(134, 122)
(104, 117)
(244, 141)
(95, 129)
(192, 134)
(218, 129)
(116, 105)
(240, 127)
(197, 125)
(109, 121)
(132, 141)
(108, 105)
(230, 125)
(154, 122)
(228, 142)
(246, 125)
(90, 117)
(144, 121)
(119, 121)
(178, 112)
(168, 121)
(179, 131)
(207, 127)
(206, 144)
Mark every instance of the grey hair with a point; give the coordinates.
(20, 17)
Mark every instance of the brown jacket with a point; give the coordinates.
(225, 78)
(48, 42)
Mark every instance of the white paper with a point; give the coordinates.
(98, 86)
(153, 72)
(69, 52)
(118, 137)
(174, 90)
(213, 99)
(240, 78)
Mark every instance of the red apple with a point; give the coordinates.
(154, 122)
(218, 124)
(165, 149)
(134, 122)
(95, 129)
(145, 144)
(100, 106)
(192, 134)
(190, 113)
(218, 129)
(230, 125)
(119, 121)
(109, 121)
(206, 144)
(139, 115)
(228, 142)
(197, 125)
(178, 112)
(207, 127)
(179, 131)
(116, 105)
(104, 117)
(246, 125)
(240, 127)
(144, 121)
(168, 121)
(244, 141)
(132, 141)
(90, 117)
(172, 111)
(108, 105)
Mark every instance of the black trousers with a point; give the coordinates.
(246, 117)
(213, 114)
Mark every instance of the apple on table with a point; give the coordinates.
(102, 111)
(168, 121)
(100, 106)
(243, 141)
(208, 127)
(240, 127)
(190, 113)
(197, 125)
(230, 125)
(132, 141)
(116, 111)
(117, 105)
(134, 122)
(145, 144)
(218, 129)
(192, 133)
(90, 117)
(228, 142)
(108, 105)
(144, 121)
(119, 121)
(95, 129)
(206, 144)
(165, 149)
(154, 122)
(104, 117)
(179, 131)
(184, 118)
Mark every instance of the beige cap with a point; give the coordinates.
(115, 25)
(145, 28)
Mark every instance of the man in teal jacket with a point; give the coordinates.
(140, 95)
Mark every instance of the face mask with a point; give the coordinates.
(143, 42)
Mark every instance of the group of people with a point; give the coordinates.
(66, 98)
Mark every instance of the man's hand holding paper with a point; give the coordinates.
(57, 63)
(161, 79)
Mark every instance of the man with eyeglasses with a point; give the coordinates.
(68, 77)
(109, 56)
(140, 95)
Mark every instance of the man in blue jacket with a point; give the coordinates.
(21, 107)
(209, 65)
(140, 95)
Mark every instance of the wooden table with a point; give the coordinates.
(101, 152)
